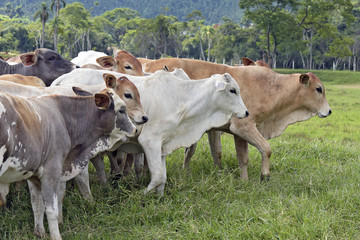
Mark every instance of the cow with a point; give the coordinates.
(43, 63)
(48, 140)
(274, 101)
(179, 112)
(122, 86)
(21, 79)
(123, 62)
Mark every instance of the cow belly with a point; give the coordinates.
(12, 170)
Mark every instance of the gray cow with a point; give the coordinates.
(43, 63)
(50, 139)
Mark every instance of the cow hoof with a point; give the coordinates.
(40, 233)
(265, 178)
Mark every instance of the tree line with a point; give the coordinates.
(307, 34)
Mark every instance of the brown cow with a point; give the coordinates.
(25, 80)
(274, 102)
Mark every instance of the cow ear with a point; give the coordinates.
(80, 92)
(106, 61)
(110, 80)
(220, 85)
(247, 61)
(304, 79)
(28, 59)
(102, 101)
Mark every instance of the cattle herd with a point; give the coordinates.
(57, 115)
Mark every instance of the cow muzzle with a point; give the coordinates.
(324, 115)
(241, 115)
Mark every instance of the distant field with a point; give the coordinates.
(313, 192)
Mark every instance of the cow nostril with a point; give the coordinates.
(330, 112)
(247, 113)
(136, 131)
(77, 66)
(145, 119)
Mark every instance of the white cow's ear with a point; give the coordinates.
(110, 80)
(220, 85)
(102, 101)
(106, 61)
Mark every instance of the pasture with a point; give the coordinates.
(313, 192)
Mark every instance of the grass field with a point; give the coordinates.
(313, 193)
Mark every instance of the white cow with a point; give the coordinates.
(179, 112)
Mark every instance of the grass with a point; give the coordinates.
(313, 192)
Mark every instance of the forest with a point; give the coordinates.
(285, 33)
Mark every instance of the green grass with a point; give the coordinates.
(313, 192)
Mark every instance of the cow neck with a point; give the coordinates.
(198, 115)
(82, 119)
(286, 108)
(16, 68)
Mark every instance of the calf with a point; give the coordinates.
(274, 101)
(50, 139)
(43, 63)
(179, 111)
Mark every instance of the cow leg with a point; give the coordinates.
(161, 187)
(61, 195)
(254, 137)
(128, 164)
(152, 149)
(4, 190)
(189, 152)
(242, 154)
(38, 207)
(215, 146)
(99, 165)
(116, 162)
(50, 186)
(82, 181)
(138, 165)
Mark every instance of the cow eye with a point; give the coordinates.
(122, 111)
(52, 58)
(128, 95)
(127, 67)
(319, 89)
(233, 91)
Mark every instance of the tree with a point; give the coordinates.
(43, 14)
(269, 16)
(319, 20)
(57, 5)
(76, 20)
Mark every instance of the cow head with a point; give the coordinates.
(230, 95)
(108, 101)
(128, 92)
(313, 95)
(124, 62)
(46, 64)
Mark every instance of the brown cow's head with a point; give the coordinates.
(128, 92)
(124, 62)
(313, 94)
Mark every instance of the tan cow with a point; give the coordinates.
(25, 80)
(274, 101)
